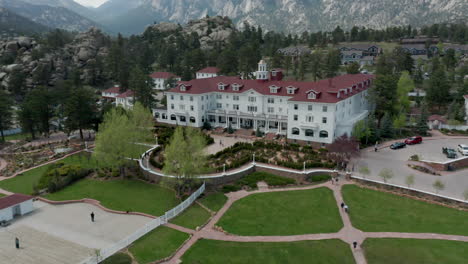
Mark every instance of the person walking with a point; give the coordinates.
(346, 208)
(92, 216)
(17, 243)
(342, 205)
(354, 244)
(376, 146)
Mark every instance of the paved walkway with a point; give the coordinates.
(348, 233)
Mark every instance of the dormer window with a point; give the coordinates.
(221, 86)
(291, 90)
(311, 96)
(236, 87)
(274, 89)
(183, 88)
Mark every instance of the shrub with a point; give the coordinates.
(414, 157)
(271, 179)
(58, 176)
(318, 178)
(230, 188)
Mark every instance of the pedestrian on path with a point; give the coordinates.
(342, 205)
(354, 244)
(346, 208)
(17, 243)
(376, 146)
(92, 216)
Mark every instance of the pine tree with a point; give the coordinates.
(6, 112)
(387, 126)
(141, 84)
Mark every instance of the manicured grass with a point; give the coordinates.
(118, 258)
(375, 211)
(192, 217)
(411, 251)
(123, 195)
(25, 182)
(214, 201)
(2, 195)
(317, 252)
(284, 213)
(158, 244)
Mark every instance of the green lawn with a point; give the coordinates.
(123, 195)
(284, 213)
(306, 252)
(415, 251)
(375, 211)
(118, 258)
(21, 136)
(2, 195)
(192, 217)
(214, 201)
(158, 244)
(24, 183)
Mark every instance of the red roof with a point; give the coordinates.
(327, 89)
(438, 118)
(128, 93)
(13, 200)
(209, 70)
(115, 89)
(163, 75)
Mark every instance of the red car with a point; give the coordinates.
(413, 140)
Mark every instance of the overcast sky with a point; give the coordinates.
(94, 3)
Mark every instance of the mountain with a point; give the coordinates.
(290, 15)
(50, 16)
(115, 8)
(68, 4)
(14, 24)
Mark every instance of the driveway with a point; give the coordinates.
(70, 223)
(455, 182)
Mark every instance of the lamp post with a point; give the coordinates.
(254, 158)
(304, 166)
(224, 168)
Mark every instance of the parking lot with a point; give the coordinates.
(64, 233)
(396, 160)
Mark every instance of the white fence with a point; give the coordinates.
(458, 127)
(410, 189)
(107, 252)
(145, 166)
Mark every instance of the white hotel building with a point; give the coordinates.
(303, 111)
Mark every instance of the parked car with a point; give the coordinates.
(449, 152)
(398, 145)
(463, 149)
(413, 140)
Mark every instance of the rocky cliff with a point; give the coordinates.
(81, 53)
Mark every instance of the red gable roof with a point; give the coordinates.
(13, 200)
(128, 93)
(114, 89)
(209, 70)
(163, 75)
(327, 88)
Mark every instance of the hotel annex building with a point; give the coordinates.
(302, 111)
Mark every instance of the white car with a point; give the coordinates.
(463, 149)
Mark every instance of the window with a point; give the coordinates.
(271, 100)
(309, 119)
(172, 97)
(252, 108)
(291, 89)
(156, 115)
(192, 119)
(325, 108)
(219, 106)
(173, 117)
(221, 86)
(236, 87)
(191, 98)
(252, 99)
(219, 96)
(164, 116)
(271, 109)
(182, 119)
(274, 89)
(323, 134)
(181, 97)
(280, 109)
(235, 98)
(295, 117)
(235, 107)
(324, 120)
(296, 107)
(202, 107)
(295, 131)
(172, 106)
(311, 95)
(309, 133)
(191, 108)
(182, 107)
(183, 88)
(309, 107)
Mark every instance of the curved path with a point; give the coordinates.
(348, 233)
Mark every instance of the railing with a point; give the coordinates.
(107, 252)
(410, 189)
